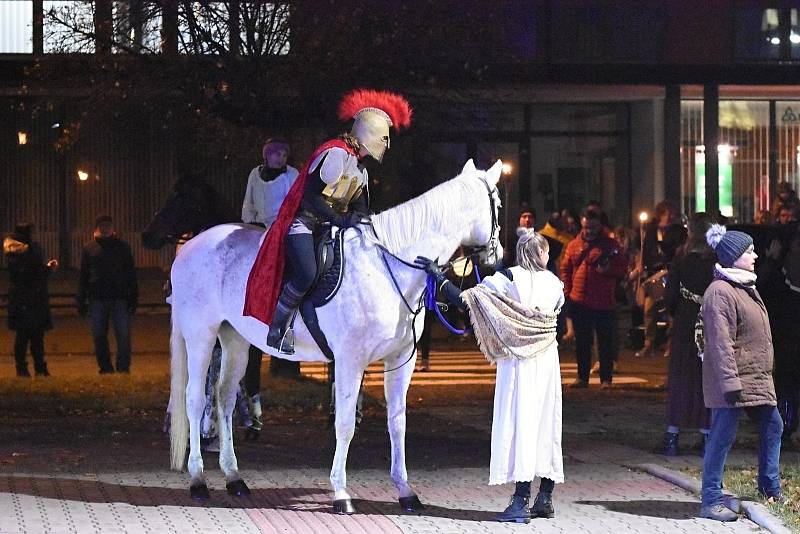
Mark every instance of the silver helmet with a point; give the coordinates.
(371, 129)
(374, 112)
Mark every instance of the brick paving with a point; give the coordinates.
(601, 494)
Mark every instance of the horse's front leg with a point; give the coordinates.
(234, 361)
(347, 383)
(395, 388)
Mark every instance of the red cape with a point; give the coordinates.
(266, 276)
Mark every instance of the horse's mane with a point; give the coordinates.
(437, 211)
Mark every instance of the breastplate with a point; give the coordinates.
(340, 193)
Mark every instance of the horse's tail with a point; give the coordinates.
(179, 425)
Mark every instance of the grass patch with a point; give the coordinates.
(742, 482)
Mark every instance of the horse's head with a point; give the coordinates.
(484, 236)
(188, 208)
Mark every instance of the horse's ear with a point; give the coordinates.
(493, 174)
(469, 167)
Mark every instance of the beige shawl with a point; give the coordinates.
(505, 328)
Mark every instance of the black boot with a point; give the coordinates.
(281, 335)
(670, 445)
(543, 506)
(516, 511)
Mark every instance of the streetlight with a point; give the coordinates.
(83, 175)
(22, 138)
(507, 169)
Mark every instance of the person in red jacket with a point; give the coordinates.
(593, 264)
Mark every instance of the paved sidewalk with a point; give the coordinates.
(449, 427)
(599, 497)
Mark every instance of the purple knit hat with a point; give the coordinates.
(274, 144)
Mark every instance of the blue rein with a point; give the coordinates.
(432, 305)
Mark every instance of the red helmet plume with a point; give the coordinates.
(394, 105)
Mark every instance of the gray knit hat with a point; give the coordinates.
(729, 246)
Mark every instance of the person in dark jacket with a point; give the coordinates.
(28, 304)
(691, 272)
(779, 283)
(108, 291)
(737, 370)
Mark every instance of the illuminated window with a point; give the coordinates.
(16, 27)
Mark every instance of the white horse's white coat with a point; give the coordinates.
(365, 322)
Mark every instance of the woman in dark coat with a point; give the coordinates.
(690, 274)
(28, 305)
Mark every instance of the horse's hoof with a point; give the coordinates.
(411, 504)
(199, 491)
(343, 507)
(238, 488)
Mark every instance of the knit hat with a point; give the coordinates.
(729, 246)
(273, 145)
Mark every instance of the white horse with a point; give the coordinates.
(369, 319)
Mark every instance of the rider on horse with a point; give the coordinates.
(332, 189)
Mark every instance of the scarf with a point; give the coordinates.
(747, 279)
(505, 328)
(267, 174)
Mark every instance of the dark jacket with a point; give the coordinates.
(658, 254)
(738, 347)
(28, 304)
(107, 272)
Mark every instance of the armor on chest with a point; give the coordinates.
(341, 193)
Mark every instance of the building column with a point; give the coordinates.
(103, 26)
(38, 26)
(672, 144)
(169, 29)
(711, 142)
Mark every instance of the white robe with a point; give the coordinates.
(526, 424)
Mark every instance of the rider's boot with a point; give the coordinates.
(281, 335)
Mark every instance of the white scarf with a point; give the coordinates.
(506, 328)
(736, 275)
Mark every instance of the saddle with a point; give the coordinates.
(330, 269)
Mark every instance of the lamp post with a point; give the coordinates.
(507, 170)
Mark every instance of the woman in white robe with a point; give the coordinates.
(526, 424)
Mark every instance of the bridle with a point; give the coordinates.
(491, 246)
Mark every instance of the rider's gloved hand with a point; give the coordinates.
(354, 219)
(430, 267)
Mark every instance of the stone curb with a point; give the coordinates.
(756, 512)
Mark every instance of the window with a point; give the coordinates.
(68, 26)
(137, 26)
(743, 157)
(204, 28)
(771, 33)
(16, 27)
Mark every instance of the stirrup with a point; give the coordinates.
(285, 344)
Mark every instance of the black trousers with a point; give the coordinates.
(252, 375)
(34, 338)
(588, 322)
(301, 260)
